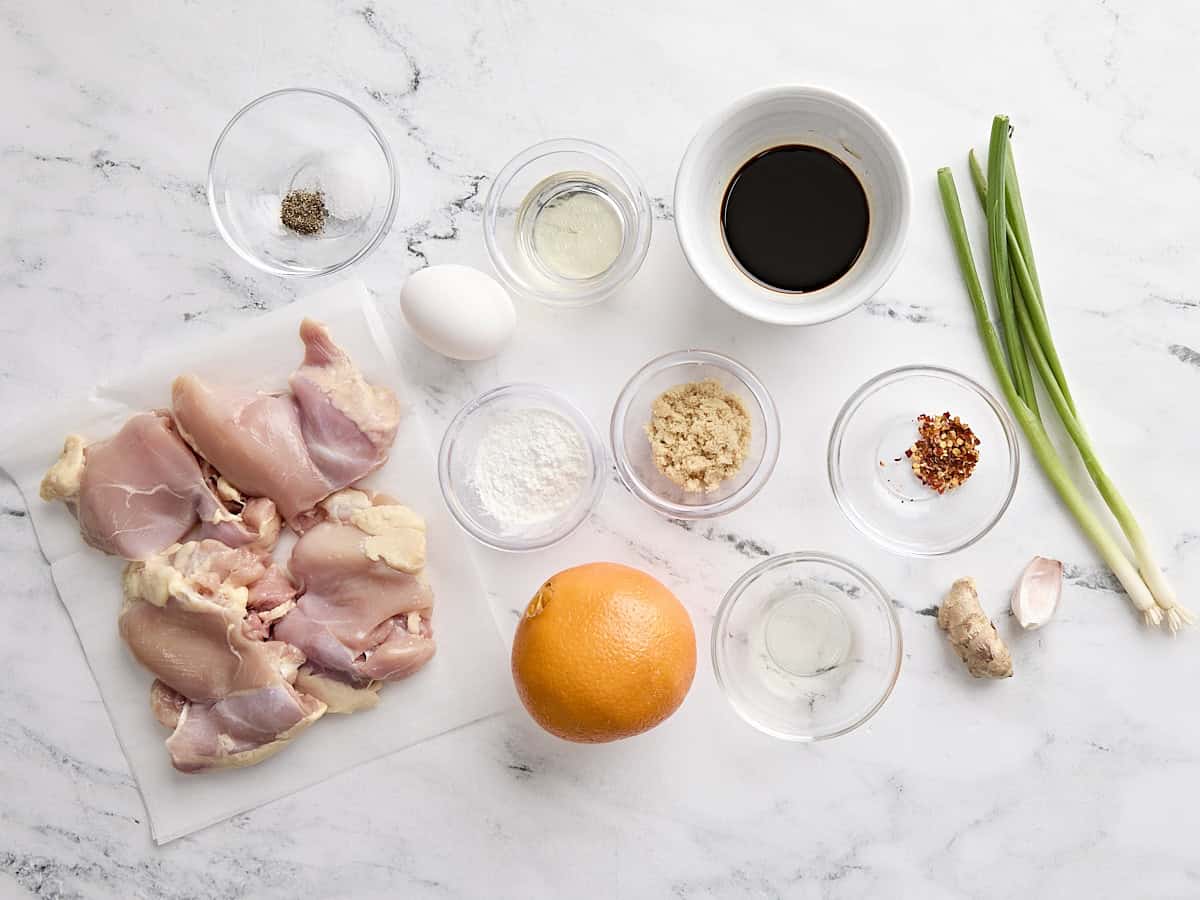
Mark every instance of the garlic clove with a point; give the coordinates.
(1036, 595)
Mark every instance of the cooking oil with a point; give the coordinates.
(570, 227)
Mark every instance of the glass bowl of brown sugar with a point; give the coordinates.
(695, 434)
(923, 460)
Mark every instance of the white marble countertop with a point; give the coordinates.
(1078, 777)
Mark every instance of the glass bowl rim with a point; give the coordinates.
(561, 404)
(632, 185)
(882, 599)
(380, 233)
(771, 425)
(892, 376)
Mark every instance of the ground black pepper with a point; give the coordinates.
(303, 211)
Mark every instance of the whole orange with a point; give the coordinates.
(603, 652)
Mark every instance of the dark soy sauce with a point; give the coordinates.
(795, 218)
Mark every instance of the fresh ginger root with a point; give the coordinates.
(972, 633)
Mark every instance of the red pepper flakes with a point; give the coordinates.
(945, 453)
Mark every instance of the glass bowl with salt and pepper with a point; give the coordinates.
(302, 183)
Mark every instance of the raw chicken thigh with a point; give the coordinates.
(299, 447)
(243, 658)
(142, 490)
(193, 616)
(364, 612)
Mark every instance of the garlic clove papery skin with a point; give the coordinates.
(1035, 597)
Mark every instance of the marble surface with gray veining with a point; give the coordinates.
(1078, 777)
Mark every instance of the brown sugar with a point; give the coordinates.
(699, 434)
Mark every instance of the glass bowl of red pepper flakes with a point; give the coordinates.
(923, 460)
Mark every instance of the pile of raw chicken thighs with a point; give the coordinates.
(245, 654)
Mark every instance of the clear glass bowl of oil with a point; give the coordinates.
(806, 646)
(567, 222)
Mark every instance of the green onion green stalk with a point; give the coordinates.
(1027, 338)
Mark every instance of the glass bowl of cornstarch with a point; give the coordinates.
(521, 467)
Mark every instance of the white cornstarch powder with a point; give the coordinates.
(531, 466)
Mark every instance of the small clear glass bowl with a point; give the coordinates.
(456, 461)
(537, 175)
(872, 478)
(806, 646)
(631, 446)
(302, 139)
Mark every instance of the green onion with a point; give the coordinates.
(1038, 341)
(997, 221)
(1019, 299)
(1018, 242)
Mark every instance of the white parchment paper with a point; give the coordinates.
(468, 677)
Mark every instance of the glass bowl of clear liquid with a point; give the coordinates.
(806, 646)
(567, 222)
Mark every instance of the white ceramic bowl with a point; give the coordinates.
(772, 117)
